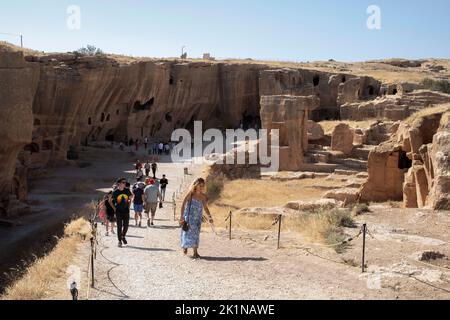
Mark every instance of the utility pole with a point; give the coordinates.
(14, 35)
(182, 52)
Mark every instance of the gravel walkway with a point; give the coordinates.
(153, 267)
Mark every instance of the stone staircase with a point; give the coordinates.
(330, 161)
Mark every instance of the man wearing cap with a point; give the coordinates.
(151, 196)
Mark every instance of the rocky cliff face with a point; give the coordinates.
(440, 158)
(90, 99)
(413, 166)
(49, 103)
(17, 89)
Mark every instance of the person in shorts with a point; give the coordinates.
(151, 196)
(138, 202)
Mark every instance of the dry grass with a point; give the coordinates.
(13, 48)
(376, 69)
(427, 112)
(37, 282)
(323, 226)
(239, 194)
(328, 126)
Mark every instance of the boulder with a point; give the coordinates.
(342, 139)
(345, 195)
(315, 131)
(322, 204)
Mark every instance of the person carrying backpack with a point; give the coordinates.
(121, 200)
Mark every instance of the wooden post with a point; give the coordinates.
(363, 264)
(21, 41)
(231, 214)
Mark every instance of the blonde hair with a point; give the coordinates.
(195, 184)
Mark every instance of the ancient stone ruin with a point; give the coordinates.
(413, 165)
(289, 115)
(52, 104)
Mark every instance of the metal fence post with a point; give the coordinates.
(92, 262)
(279, 230)
(231, 215)
(363, 264)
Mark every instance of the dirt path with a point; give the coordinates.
(248, 267)
(153, 267)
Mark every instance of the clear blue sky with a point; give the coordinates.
(295, 30)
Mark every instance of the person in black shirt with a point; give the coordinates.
(121, 200)
(163, 182)
(138, 202)
(154, 168)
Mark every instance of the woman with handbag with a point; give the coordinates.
(191, 217)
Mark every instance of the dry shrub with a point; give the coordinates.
(325, 227)
(40, 276)
(360, 209)
(214, 187)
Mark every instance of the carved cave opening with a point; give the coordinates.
(143, 107)
(316, 80)
(403, 161)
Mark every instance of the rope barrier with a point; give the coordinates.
(413, 260)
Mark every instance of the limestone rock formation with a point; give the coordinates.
(358, 89)
(440, 159)
(342, 139)
(299, 82)
(394, 107)
(413, 165)
(315, 131)
(289, 114)
(17, 89)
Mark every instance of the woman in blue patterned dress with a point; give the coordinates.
(192, 213)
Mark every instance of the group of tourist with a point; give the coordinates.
(153, 148)
(147, 196)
